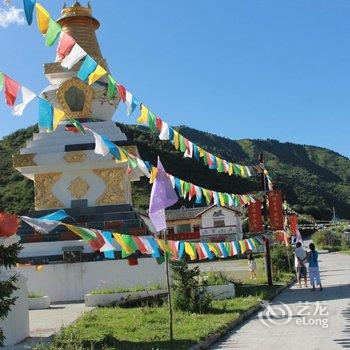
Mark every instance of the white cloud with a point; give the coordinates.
(13, 15)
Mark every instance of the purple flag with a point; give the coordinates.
(162, 196)
(158, 220)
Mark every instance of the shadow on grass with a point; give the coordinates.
(110, 342)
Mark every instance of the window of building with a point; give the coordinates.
(219, 218)
(183, 228)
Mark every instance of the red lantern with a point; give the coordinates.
(8, 224)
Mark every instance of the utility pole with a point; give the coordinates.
(267, 239)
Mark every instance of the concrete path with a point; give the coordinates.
(44, 323)
(305, 320)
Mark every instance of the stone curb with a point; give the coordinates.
(205, 344)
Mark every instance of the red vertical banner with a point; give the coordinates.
(293, 220)
(276, 210)
(255, 217)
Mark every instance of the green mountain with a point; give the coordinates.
(313, 179)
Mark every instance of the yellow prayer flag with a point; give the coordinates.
(243, 247)
(58, 116)
(43, 18)
(190, 251)
(230, 169)
(143, 118)
(176, 139)
(154, 173)
(163, 245)
(120, 241)
(96, 74)
(201, 152)
(221, 199)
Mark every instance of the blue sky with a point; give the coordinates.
(238, 68)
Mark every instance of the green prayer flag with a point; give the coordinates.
(236, 169)
(182, 143)
(1, 81)
(186, 187)
(220, 165)
(111, 90)
(52, 33)
(151, 120)
(77, 125)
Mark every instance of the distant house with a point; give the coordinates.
(205, 223)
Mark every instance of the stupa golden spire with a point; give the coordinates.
(78, 22)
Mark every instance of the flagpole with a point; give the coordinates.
(169, 295)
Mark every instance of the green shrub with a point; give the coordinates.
(114, 290)
(189, 294)
(35, 295)
(215, 278)
(279, 258)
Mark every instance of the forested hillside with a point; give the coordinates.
(313, 179)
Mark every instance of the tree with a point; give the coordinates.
(189, 294)
(8, 259)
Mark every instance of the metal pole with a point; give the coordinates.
(169, 296)
(267, 239)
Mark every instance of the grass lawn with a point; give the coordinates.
(147, 327)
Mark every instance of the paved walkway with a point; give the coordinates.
(44, 323)
(317, 320)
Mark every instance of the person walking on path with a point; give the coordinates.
(252, 267)
(299, 261)
(314, 271)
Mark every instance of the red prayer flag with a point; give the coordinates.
(133, 261)
(98, 243)
(11, 90)
(159, 123)
(200, 253)
(142, 248)
(8, 224)
(122, 92)
(192, 192)
(65, 46)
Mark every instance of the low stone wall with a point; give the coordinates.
(224, 291)
(70, 282)
(39, 303)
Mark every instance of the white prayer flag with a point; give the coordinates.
(27, 96)
(74, 57)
